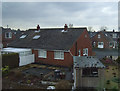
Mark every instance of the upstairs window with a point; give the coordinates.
(90, 72)
(8, 35)
(85, 52)
(114, 36)
(23, 36)
(42, 54)
(99, 36)
(58, 55)
(36, 37)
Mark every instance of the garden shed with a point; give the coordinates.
(25, 55)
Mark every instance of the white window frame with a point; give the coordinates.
(114, 35)
(99, 44)
(42, 54)
(85, 52)
(9, 36)
(59, 55)
(99, 36)
(79, 53)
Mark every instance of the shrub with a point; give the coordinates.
(5, 70)
(118, 60)
(11, 60)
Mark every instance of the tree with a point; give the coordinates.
(102, 28)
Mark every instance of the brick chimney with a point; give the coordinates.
(113, 30)
(38, 28)
(65, 27)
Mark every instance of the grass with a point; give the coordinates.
(110, 75)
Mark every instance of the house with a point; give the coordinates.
(25, 55)
(8, 35)
(104, 39)
(88, 73)
(55, 46)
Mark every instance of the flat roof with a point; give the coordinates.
(16, 50)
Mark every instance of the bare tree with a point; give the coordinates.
(102, 28)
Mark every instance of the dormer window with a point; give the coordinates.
(36, 37)
(99, 36)
(8, 35)
(23, 36)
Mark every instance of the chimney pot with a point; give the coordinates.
(38, 27)
(65, 27)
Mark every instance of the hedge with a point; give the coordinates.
(11, 60)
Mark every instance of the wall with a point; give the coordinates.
(82, 43)
(90, 81)
(24, 60)
(50, 59)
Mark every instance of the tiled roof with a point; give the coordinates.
(50, 39)
(87, 61)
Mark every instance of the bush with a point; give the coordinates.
(118, 60)
(5, 70)
(11, 60)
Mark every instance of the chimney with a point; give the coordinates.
(113, 30)
(65, 27)
(38, 28)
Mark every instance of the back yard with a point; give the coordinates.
(35, 76)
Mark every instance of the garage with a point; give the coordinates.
(25, 55)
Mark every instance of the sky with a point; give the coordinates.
(25, 15)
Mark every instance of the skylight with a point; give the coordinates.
(23, 36)
(36, 37)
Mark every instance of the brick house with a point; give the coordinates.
(105, 39)
(8, 36)
(56, 46)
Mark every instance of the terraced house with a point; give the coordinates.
(55, 46)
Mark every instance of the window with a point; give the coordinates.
(99, 36)
(58, 55)
(8, 35)
(114, 35)
(110, 44)
(85, 36)
(23, 36)
(90, 72)
(100, 45)
(85, 52)
(42, 53)
(36, 37)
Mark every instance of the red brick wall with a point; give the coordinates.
(6, 41)
(82, 43)
(50, 59)
(101, 39)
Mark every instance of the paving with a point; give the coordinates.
(37, 71)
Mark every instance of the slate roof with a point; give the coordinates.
(50, 39)
(101, 53)
(87, 61)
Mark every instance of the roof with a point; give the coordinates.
(87, 61)
(15, 50)
(101, 53)
(50, 39)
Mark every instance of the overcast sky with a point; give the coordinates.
(25, 15)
